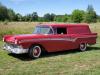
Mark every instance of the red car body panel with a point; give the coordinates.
(76, 34)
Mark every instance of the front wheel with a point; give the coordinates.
(35, 52)
(83, 47)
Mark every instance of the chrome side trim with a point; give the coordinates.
(59, 39)
(44, 39)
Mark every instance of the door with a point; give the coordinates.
(59, 41)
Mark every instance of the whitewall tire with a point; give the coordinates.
(35, 51)
(83, 47)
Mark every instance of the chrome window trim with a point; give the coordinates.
(52, 29)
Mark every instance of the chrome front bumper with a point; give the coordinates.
(12, 48)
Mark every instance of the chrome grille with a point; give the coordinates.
(11, 45)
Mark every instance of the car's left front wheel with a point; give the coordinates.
(35, 51)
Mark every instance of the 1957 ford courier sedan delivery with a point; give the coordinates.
(51, 38)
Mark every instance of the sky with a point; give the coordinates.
(50, 6)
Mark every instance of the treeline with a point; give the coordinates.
(77, 16)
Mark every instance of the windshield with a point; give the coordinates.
(43, 30)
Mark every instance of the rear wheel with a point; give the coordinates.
(83, 47)
(35, 52)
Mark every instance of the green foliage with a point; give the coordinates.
(3, 13)
(69, 19)
(49, 17)
(40, 19)
(65, 18)
(11, 15)
(19, 17)
(90, 15)
(58, 18)
(61, 18)
(34, 16)
(27, 17)
(52, 17)
(98, 18)
(77, 16)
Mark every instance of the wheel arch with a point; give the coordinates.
(42, 47)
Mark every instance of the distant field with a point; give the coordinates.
(16, 28)
(60, 63)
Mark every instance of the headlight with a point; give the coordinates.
(3, 39)
(16, 41)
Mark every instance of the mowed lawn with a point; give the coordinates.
(59, 63)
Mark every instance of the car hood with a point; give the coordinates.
(28, 36)
(12, 38)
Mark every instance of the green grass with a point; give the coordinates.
(60, 63)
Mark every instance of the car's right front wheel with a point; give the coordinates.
(83, 47)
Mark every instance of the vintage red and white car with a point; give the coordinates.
(51, 38)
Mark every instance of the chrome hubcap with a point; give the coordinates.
(36, 51)
(83, 47)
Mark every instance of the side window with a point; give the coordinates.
(61, 31)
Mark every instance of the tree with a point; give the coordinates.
(98, 18)
(58, 18)
(18, 17)
(52, 17)
(61, 18)
(90, 14)
(11, 15)
(47, 17)
(3, 13)
(77, 16)
(40, 19)
(34, 16)
(69, 18)
(28, 17)
(65, 18)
